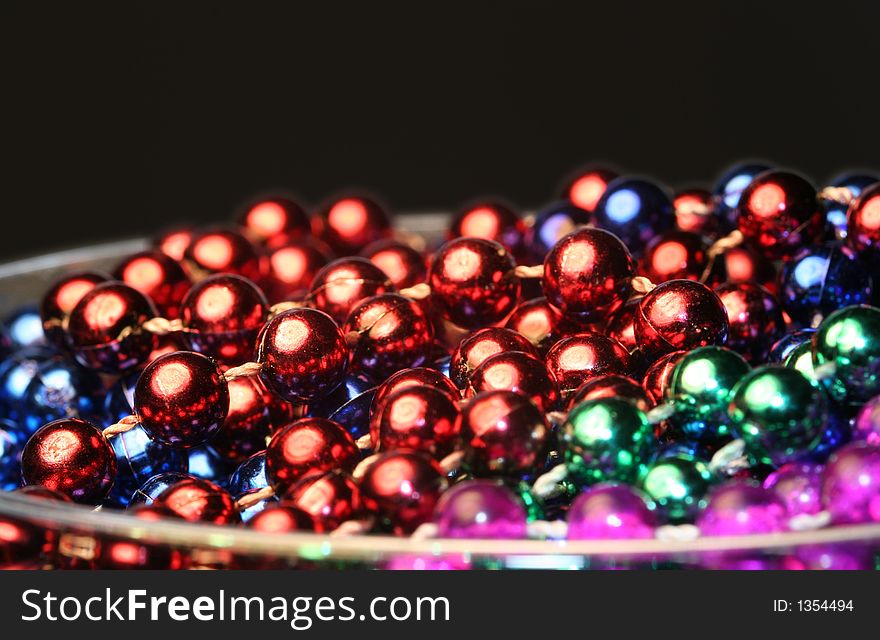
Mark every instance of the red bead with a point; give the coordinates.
(309, 444)
(505, 434)
(538, 321)
(293, 265)
(330, 497)
(343, 283)
(657, 376)
(388, 333)
(586, 187)
(402, 487)
(350, 224)
(271, 218)
(516, 371)
(415, 377)
(620, 325)
(181, 399)
(695, 212)
(121, 553)
(198, 500)
(779, 213)
(303, 354)
(23, 544)
(223, 315)
(283, 518)
(61, 298)
(248, 422)
(679, 314)
(108, 311)
(473, 282)
(174, 243)
(755, 318)
(71, 456)
(611, 386)
(419, 418)
(403, 265)
(582, 356)
(223, 251)
(674, 255)
(490, 221)
(588, 274)
(863, 220)
(158, 277)
(475, 348)
(742, 264)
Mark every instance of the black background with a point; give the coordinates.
(122, 118)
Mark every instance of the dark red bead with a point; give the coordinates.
(198, 500)
(108, 311)
(579, 357)
(479, 345)
(223, 315)
(611, 386)
(303, 355)
(586, 187)
(23, 544)
(402, 487)
(387, 333)
(674, 255)
(695, 212)
(779, 213)
(174, 243)
(620, 324)
(181, 399)
(270, 218)
(504, 434)
(473, 282)
(657, 376)
(538, 321)
(516, 371)
(403, 265)
(248, 422)
(588, 274)
(863, 220)
(330, 497)
(419, 418)
(283, 518)
(71, 456)
(61, 298)
(342, 284)
(491, 221)
(223, 251)
(755, 318)
(122, 553)
(742, 264)
(309, 444)
(292, 265)
(679, 315)
(157, 276)
(415, 377)
(350, 224)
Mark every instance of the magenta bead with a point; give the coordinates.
(866, 426)
(480, 509)
(851, 484)
(798, 485)
(741, 508)
(610, 511)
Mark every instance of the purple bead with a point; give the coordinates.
(480, 509)
(837, 557)
(798, 485)
(426, 563)
(609, 511)
(741, 508)
(867, 423)
(851, 484)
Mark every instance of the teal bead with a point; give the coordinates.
(850, 339)
(779, 413)
(678, 484)
(801, 358)
(708, 375)
(607, 439)
(693, 423)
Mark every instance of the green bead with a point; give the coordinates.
(692, 423)
(850, 339)
(678, 484)
(707, 374)
(779, 413)
(533, 504)
(801, 358)
(607, 439)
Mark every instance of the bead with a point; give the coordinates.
(125, 554)
(350, 224)
(249, 475)
(866, 426)
(679, 315)
(138, 458)
(349, 404)
(611, 512)
(851, 484)
(798, 485)
(610, 386)
(490, 221)
(863, 220)
(24, 327)
(656, 378)
(552, 223)
(695, 212)
(538, 321)
(223, 315)
(708, 375)
(153, 487)
(783, 347)
(480, 509)
(60, 300)
(61, 389)
(476, 347)
(700, 428)
(779, 413)
(283, 518)
(801, 358)
(820, 280)
(840, 557)
(71, 456)
(248, 421)
(292, 266)
(634, 210)
(308, 444)
(473, 282)
(731, 184)
(778, 213)
(419, 418)
(388, 333)
(520, 372)
(204, 462)
(587, 275)
(269, 219)
(604, 440)
(16, 373)
(835, 212)
(850, 339)
(303, 355)
(403, 265)
(173, 243)
(12, 441)
(330, 497)
(742, 264)
(674, 255)
(110, 310)
(582, 356)
(586, 187)
(416, 377)
(181, 399)
(742, 508)
(620, 323)
(198, 500)
(754, 317)
(158, 277)
(343, 283)
(223, 251)
(678, 483)
(505, 435)
(402, 487)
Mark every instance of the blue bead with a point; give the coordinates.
(61, 389)
(250, 475)
(349, 404)
(25, 328)
(552, 223)
(16, 373)
(138, 459)
(442, 365)
(207, 464)
(12, 441)
(151, 489)
(729, 187)
(635, 210)
(783, 347)
(835, 212)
